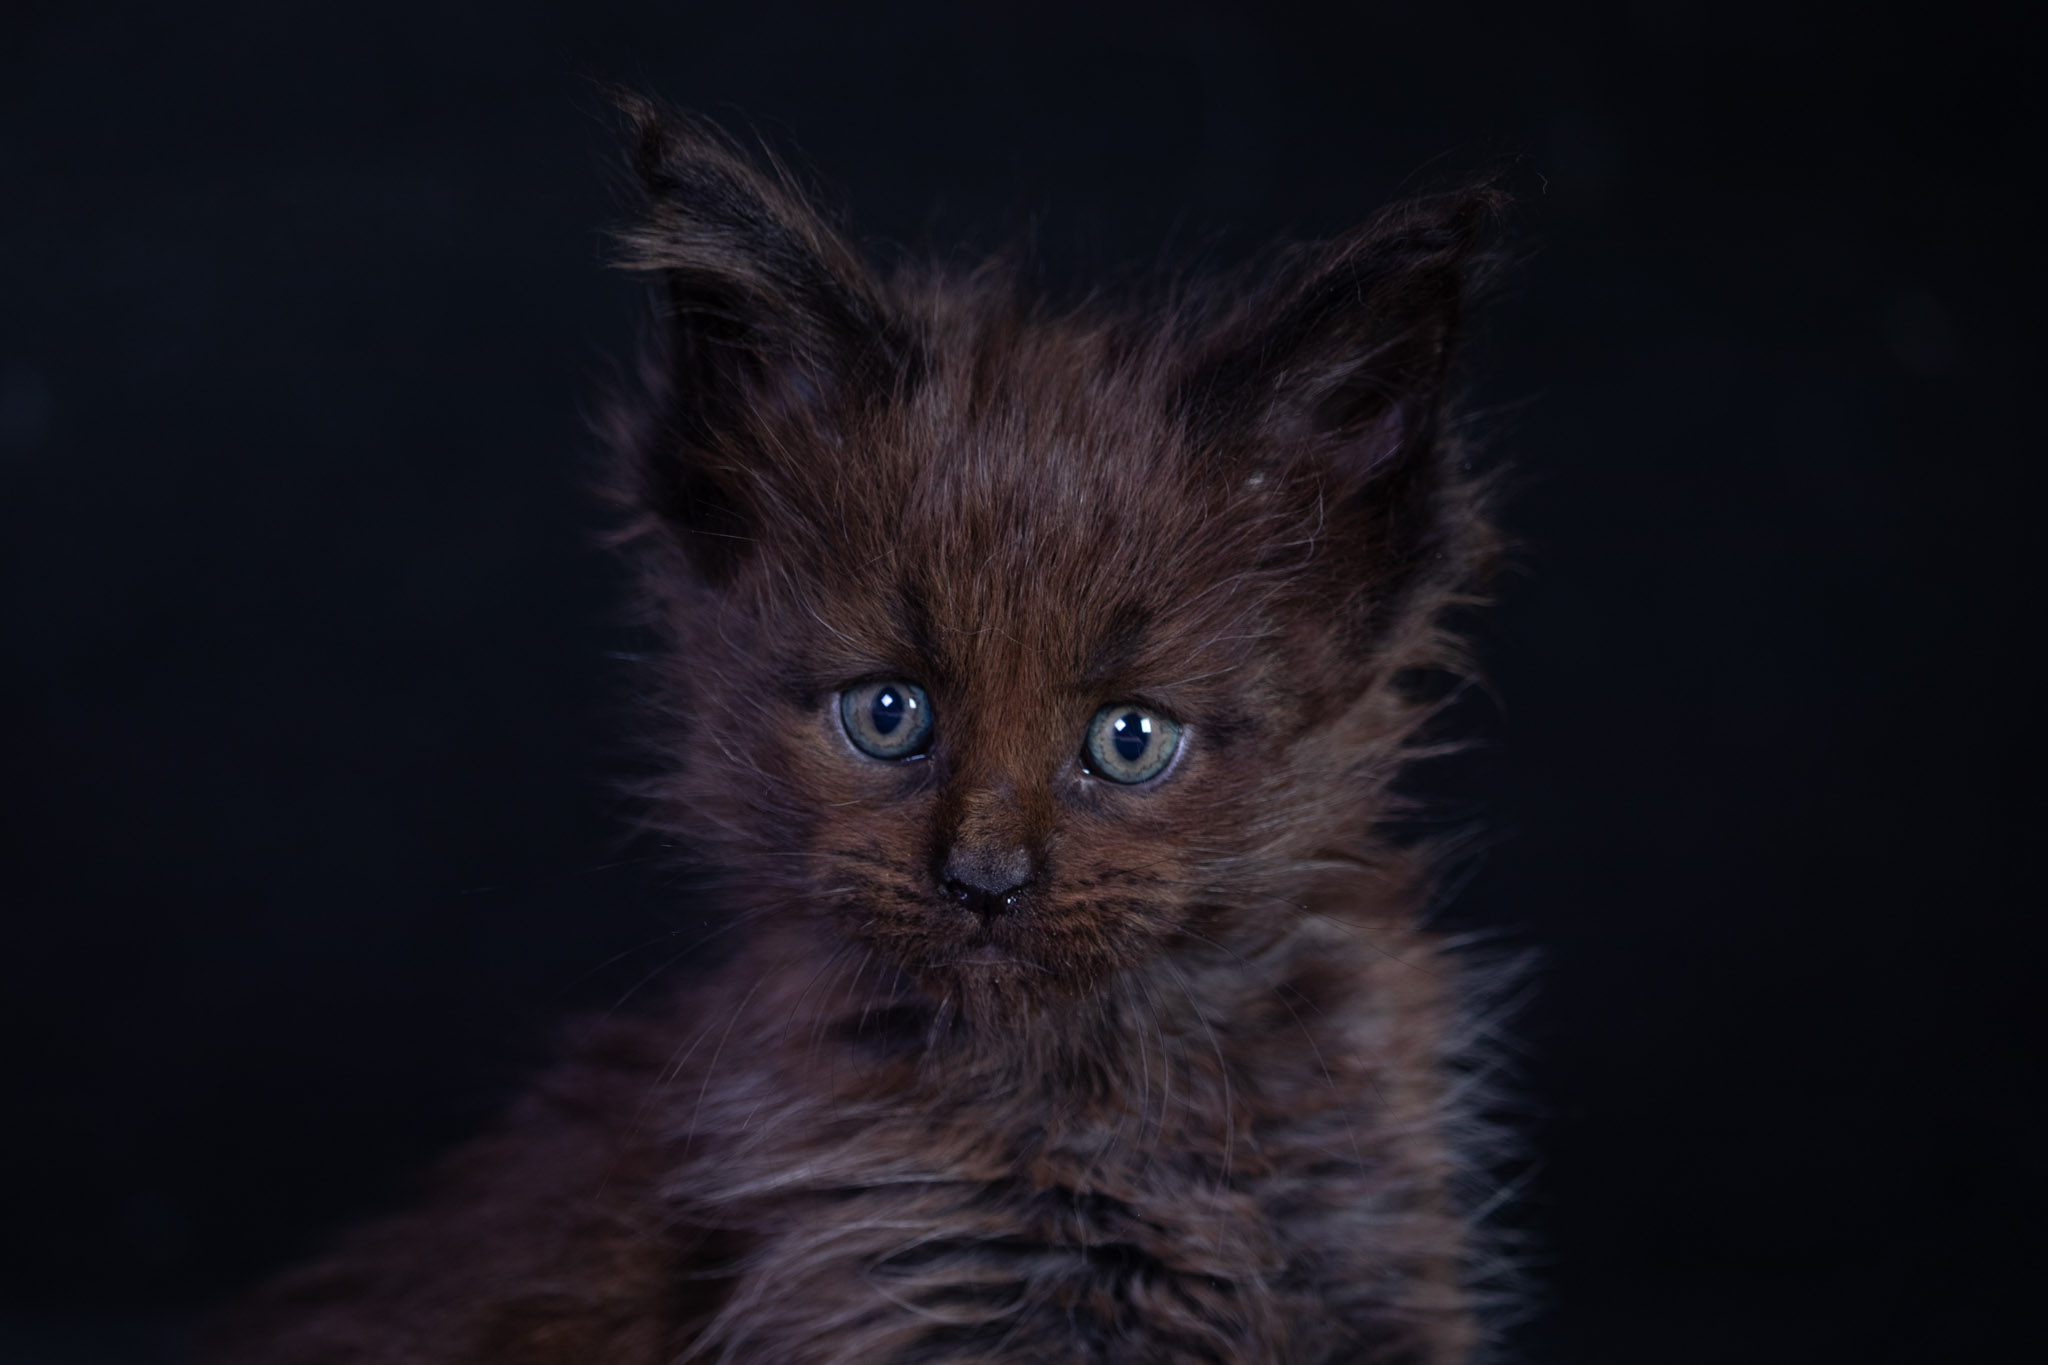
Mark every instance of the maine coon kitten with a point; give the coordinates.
(1033, 676)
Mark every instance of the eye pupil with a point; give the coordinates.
(887, 713)
(1133, 734)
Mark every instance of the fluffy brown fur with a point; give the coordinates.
(1189, 1093)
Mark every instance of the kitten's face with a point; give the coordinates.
(1020, 701)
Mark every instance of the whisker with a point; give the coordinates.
(711, 1067)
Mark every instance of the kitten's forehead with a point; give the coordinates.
(1067, 546)
(1029, 519)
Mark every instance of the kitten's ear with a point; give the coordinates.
(772, 333)
(1339, 363)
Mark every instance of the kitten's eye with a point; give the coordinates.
(887, 719)
(1129, 743)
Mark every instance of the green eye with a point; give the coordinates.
(1129, 743)
(890, 719)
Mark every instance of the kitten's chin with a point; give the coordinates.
(990, 966)
(992, 981)
(992, 991)
(999, 970)
(989, 955)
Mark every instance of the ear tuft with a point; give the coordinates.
(1326, 385)
(1345, 350)
(772, 331)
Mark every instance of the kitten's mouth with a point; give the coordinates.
(995, 946)
(986, 954)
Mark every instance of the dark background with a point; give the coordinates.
(308, 718)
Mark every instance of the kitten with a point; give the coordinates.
(1033, 676)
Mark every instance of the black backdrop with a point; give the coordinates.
(309, 713)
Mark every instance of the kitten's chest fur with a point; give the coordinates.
(1243, 1165)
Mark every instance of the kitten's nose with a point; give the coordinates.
(988, 881)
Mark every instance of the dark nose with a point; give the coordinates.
(988, 881)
